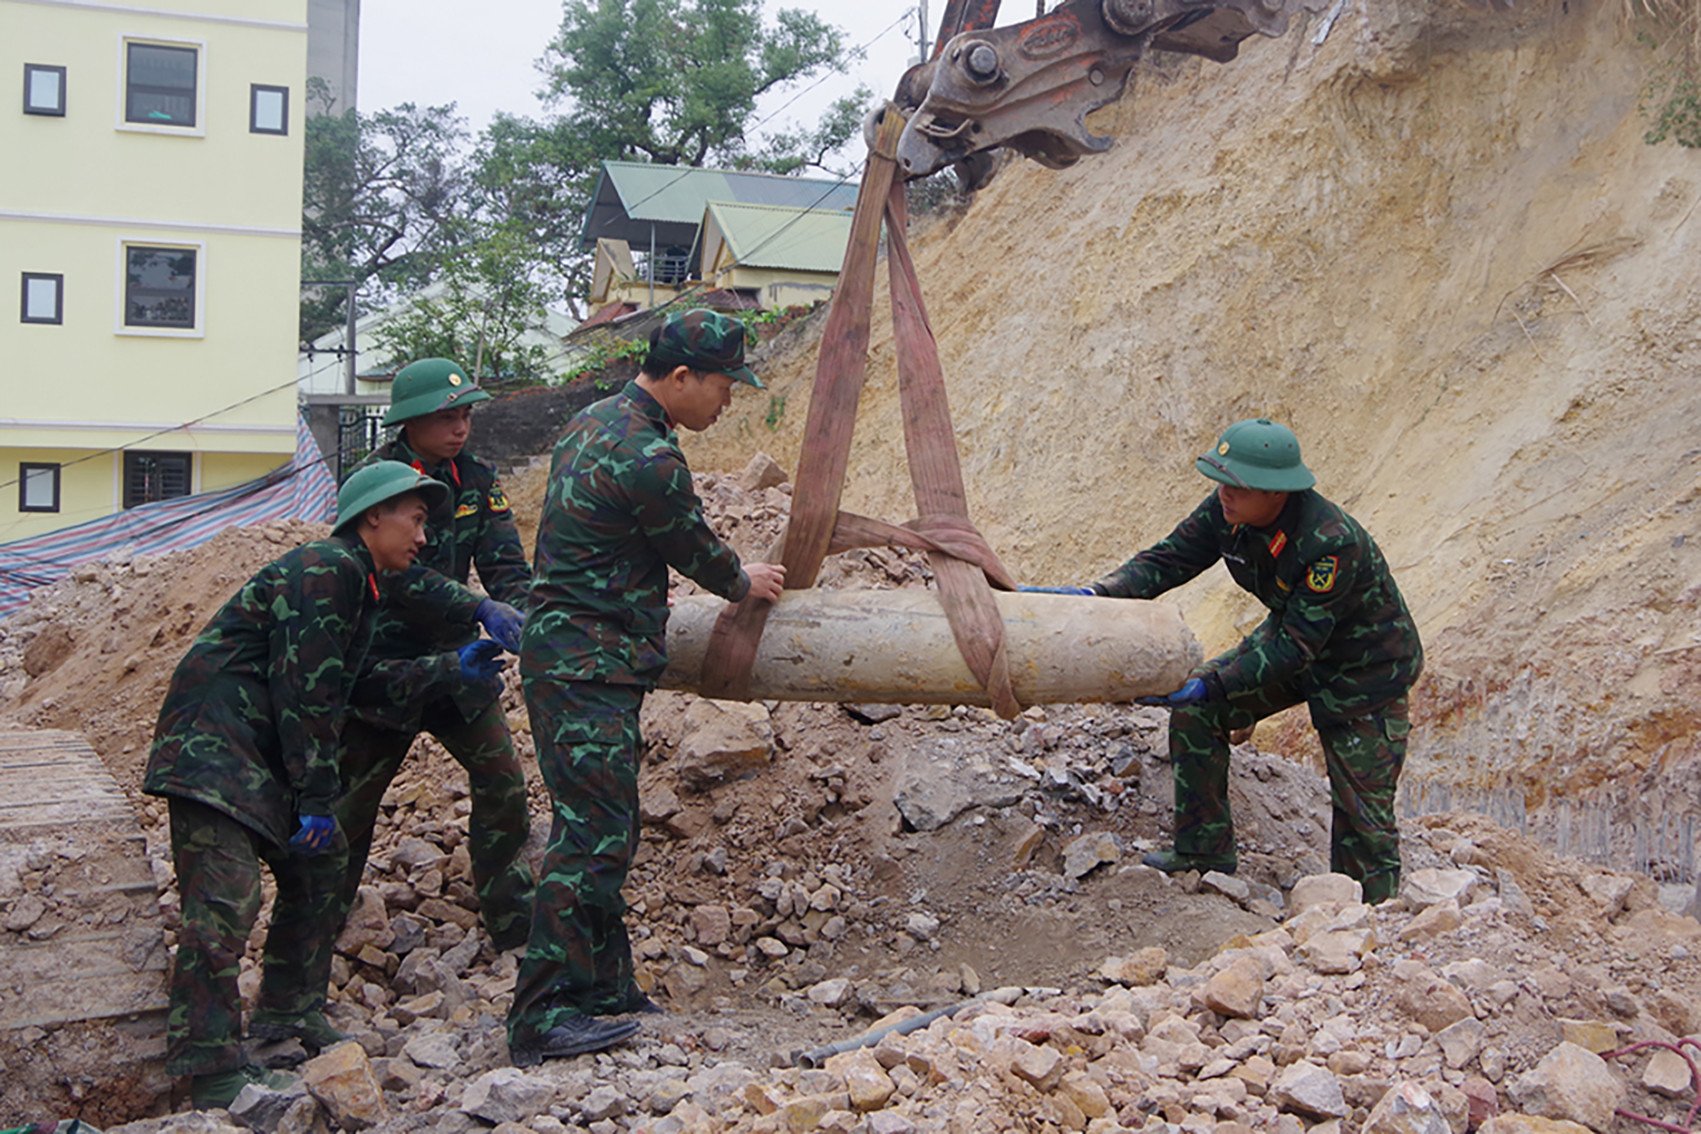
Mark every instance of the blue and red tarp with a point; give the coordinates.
(304, 489)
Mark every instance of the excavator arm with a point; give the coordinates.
(1030, 86)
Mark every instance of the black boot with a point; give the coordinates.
(576, 1036)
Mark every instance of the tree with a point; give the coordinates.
(477, 311)
(384, 197)
(674, 82)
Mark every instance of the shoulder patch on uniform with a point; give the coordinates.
(1277, 542)
(462, 511)
(1320, 578)
(498, 499)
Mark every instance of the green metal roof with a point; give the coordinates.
(632, 197)
(775, 236)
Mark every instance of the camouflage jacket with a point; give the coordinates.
(430, 612)
(421, 616)
(249, 724)
(620, 510)
(1337, 626)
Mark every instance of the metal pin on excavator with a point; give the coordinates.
(1030, 86)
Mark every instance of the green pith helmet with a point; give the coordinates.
(1257, 453)
(381, 481)
(427, 386)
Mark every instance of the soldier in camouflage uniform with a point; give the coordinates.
(245, 753)
(1338, 638)
(620, 511)
(414, 685)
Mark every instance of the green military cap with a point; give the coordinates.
(703, 340)
(429, 385)
(1257, 453)
(381, 481)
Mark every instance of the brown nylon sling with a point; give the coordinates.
(962, 561)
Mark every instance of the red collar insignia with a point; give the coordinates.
(1277, 542)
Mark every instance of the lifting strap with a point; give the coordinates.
(960, 557)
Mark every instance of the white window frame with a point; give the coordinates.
(199, 247)
(58, 316)
(199, 46)
(30, 108)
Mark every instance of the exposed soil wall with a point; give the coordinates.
(1438, 247)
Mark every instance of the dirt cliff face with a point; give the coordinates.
(1452, 264)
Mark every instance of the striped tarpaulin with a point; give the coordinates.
(301, 490)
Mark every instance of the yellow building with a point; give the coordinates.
(150, 251)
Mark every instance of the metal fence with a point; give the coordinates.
(360, 430)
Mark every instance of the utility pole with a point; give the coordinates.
(348, 340)
(921, 44)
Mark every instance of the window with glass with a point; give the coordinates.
(159, 84)
(43, 297)
(149, 477)
(268, 109)
(38, 487)
(159, 287)
(44, 89)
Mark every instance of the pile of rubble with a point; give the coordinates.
(812, 873)
(1484, 998)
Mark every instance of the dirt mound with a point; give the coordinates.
(94, 652)
(1463, 278)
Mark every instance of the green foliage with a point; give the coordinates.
(383, 199)
(673, 82)
(1671, 98)
(676, 81)
(394, 201)
(601, 356)
(776, 411)
(477, 312)
(1676, 113)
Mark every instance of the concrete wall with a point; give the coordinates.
(333, 50)
(87, 186)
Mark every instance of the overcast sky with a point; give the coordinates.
(481, 56)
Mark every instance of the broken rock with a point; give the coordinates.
(1667, 1074)
(1040, 1065)
(1571, 1083)
(1305, 1088)
(1424, 888)
(724, 741)
(507, 1094)
(1407, 1109)
(1236, 991)
(1086, 854)
(1324, 889)
(762, 471)
(342, 1080)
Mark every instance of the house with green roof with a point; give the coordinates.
(726, 238)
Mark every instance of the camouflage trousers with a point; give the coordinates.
(500, 823)
(1363, 756)
(579, 960)
(218, 877)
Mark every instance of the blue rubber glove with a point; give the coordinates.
(1192, 690)
(1057, 590)
(479, 661)
(314, 836)
(501, 622)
